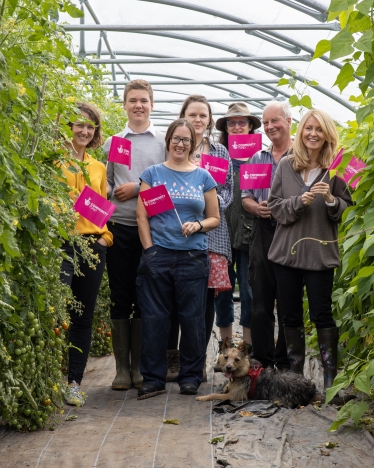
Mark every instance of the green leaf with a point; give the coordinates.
(73, 11)
(357, 410)
(364, 6)
(362, 113)
(338, 5)
(294, 100)
(322, 47)
(365, 42)
(345, 76)
(9, 243)
(370, 369)
(366, 271)
(283, 81)
(341, 44)
(306, 102)
(357, 22)
(332, 391)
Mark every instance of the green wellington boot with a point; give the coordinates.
(121, 349)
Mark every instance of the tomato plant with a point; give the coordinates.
(40, 82)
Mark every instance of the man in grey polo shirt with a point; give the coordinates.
(148, 148)
(276, 120)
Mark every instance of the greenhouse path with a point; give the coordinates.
(116, 430)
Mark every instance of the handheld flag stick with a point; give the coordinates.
(324, 175)
(176, 212)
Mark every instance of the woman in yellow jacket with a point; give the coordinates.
(85, 288)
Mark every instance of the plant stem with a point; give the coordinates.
(2, 9)
(40, 104)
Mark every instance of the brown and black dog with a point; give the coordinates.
(248, 380)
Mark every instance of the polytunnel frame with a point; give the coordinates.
(270, 36)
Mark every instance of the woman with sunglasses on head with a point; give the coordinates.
(307, 203)
(85, 288)
(237, 121)
(174, 267)
(198, 112)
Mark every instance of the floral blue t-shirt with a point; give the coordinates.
(186, 190)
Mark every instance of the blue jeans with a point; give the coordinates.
(224, 302)
(164, 276)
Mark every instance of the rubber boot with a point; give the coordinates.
(136, 376)
(328, 347)
(295, 339)
(121, 349)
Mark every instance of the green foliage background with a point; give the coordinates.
(353, 295)
(40, 81)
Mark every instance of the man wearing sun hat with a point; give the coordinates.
(238, 120)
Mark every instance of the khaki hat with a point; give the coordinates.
(237, 109)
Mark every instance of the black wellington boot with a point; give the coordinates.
(328, 347)
(295, 339)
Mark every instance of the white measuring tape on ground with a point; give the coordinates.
(159, 431)
(110, 427)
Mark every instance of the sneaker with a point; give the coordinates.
(73, 396)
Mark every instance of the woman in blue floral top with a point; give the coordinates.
(196, 109)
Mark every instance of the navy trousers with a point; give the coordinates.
(165, 275)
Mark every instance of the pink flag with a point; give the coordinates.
(355, 165)
(120, 151)
(156, 200)
(217, 167)
(244, 146)
(255, 176)
(92, 206)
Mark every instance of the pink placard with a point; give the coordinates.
(355, 165)
(120, 151)
(156, 200)
(244, 146)
(255, 176)
(94, 207)
(217, 167)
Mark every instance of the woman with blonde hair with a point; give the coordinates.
(307, 203)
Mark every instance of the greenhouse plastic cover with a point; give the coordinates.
(192, 44)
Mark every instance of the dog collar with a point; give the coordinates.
(254, 373)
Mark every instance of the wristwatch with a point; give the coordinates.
(200, 224)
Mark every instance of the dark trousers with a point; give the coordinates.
(318, 285)
(165, 274)
(85, 290)
(122, 264)
(209, 320)
(264, 287)
(224, 302)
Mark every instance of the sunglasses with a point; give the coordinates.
(234, 123)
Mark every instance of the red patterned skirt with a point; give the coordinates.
(219, 274)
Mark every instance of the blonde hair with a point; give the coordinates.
(326, 155)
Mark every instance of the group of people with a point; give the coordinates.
(172, 273)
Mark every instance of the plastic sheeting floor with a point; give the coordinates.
(116, 430)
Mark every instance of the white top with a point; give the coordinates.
(313, 173)
(150, 129)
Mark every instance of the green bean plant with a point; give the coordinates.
(40, 82)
